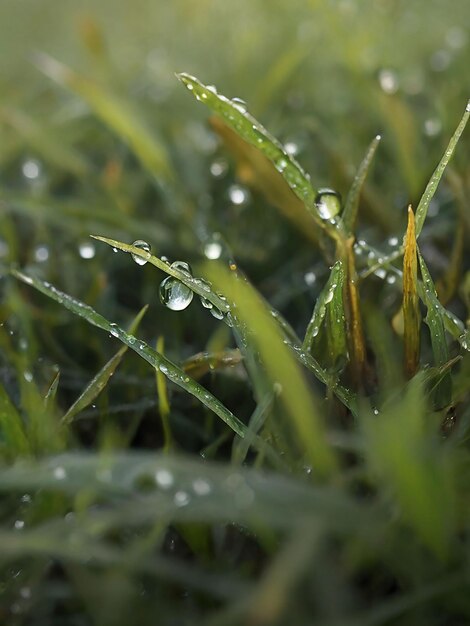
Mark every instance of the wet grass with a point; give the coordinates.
(234, 337)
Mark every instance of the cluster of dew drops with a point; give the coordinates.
(172, 292)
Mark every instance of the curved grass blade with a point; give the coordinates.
(114, 112)
(435, 321)
(351, 206)
(255, 134)
(259, 328)
(411, 317)
(49, 398)
(195, 284)
(329, 308)
(431, 187)
(99, 382)
(163, 401)
(156, 360)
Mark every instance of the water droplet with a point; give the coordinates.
(310, 278)
(207, 304)
(393, 241)
(238, 195)
(25, 593)
(213, 249)
(164, 478)
(201, 487)
(239, 104)
(28, 376)
(183, 267)
(41, 254)
(391, 279)
(291, 148)
(86, 249)
(218, 168)
(217, 313)
(380, 273)
(175, 295)
(388, 81)
(19, 524)
(181, 498)
(31, 169)
(328, 203)
(59, 473)
(142, 245)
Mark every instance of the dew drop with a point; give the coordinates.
(59, 473)
(207, 304)
(239, 104)
(393, 241)
(19, 524)
(175, 295)
(213, 250)
(388, 81)
(145, 247)
(218, 168)
(86, 250)
(238, 195)
(41, 254)
(291, 148)
(310, 278)
(183, 267)
(328, 203)
(164, 478)
(217, 313)
(181, 498)
(432, 127)
(31, 169)
(201, 487)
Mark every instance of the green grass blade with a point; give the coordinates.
(156, 360)
(249, 129)
(280, 366)
(408, 460)
(11, 427)
(193, 283)
(351, 206)
(114, 112)
(329, 308)
(431, 187)
(435, 321)
(49, 398)
(99, 382)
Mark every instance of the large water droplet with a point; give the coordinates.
(86, 250)
(328, 203)
(175, 295)
(142, 245)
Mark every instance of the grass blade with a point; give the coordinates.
(249, 129)
(435, 321)
(99, 382)
(114, 112)
(431, 187)
(411, 317)
(155, 359)
(11, 427)
(351, 206)
(195, 284)
(280, 366)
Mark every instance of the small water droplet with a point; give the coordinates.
(393, 241)
(328, 203)
(28, 376)
(181, 498)
(213, 249)
(239, 104)
(207, 304)
(391, 279)
(183, 267)
(19, 524)
(175, 295)
(291, 148)
(218, 168)
(164, 478)
(238, 195)
(310, 278)
(59, 473)
(31, 169)
(330, 294)
(432, 127)
(217, 313)
(86, 250)
(201, 487)
(41, 254)
(145, 247)
(388, 81)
